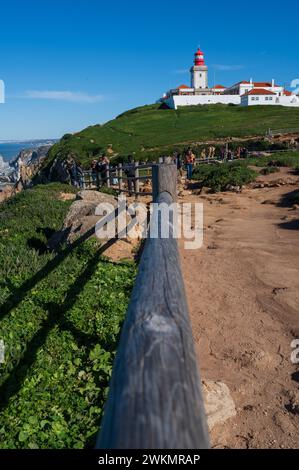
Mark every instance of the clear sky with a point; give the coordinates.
(68, 64)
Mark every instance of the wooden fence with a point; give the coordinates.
(155, 398)
(115, 177)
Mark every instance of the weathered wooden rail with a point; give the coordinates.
(155, 398)
(116, 178)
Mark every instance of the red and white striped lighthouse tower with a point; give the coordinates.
(199, 72)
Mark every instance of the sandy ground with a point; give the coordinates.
(243, 292)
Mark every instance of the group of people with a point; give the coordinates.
(75, 172)
(228, 154)
(185, 160)
(99, 170)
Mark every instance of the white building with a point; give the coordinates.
(245, 93)
(261, 96)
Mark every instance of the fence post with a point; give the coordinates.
(164, 179)
(120, 176)
(107, 176)
(136, 178)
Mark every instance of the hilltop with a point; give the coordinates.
(149, 131)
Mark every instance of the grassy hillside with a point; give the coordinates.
(60, 316)
(148, 130)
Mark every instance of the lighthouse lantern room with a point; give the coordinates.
(199, 72)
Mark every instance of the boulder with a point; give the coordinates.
(219, 404)
(95, 197)
(81, 219)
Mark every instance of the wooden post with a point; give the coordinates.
(164, 179)
(108, 176)
(136, 178)
(120, 176)
(155, 399)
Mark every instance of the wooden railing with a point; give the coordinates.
(155, 398)
(116, 178)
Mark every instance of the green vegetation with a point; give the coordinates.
(239, 172)
(278, 159)
(220, 177)
(60, 319)
(150, 131)
(269, 170)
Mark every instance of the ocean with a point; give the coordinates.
(9, 150)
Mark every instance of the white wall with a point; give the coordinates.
(276, 100)
(199, 77)
(175, 101)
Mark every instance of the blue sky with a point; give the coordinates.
(69, 64)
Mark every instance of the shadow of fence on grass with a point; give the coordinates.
(56, 317)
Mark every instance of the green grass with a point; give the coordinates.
(239, 172)
(278, 159)
(60, 318)
(220, 177)
(269, 170)
(148, 131)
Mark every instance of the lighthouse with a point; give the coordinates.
(199, 72)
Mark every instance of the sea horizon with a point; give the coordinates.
(9, 149)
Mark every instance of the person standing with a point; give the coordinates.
(94, 171)
(190, 159)
(130, 173)
(72, 171)
(102, 170)
(79, 175)
(179, 164)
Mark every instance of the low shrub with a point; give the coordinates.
(269, 169)
(220, 177)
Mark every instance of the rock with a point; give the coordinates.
(235, 189)
(95, 197)
(57, 172)
(294, 402)
(219, 404)
(77, 211)
(81, 219)
(6, 192)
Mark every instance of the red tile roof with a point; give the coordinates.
(220, 86)
(240, 83)
(182, 86)
(262, 84)
(287, 93)
(259, 91)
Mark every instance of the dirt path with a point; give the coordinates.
(243, 291)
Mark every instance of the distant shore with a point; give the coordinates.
(10, 149)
